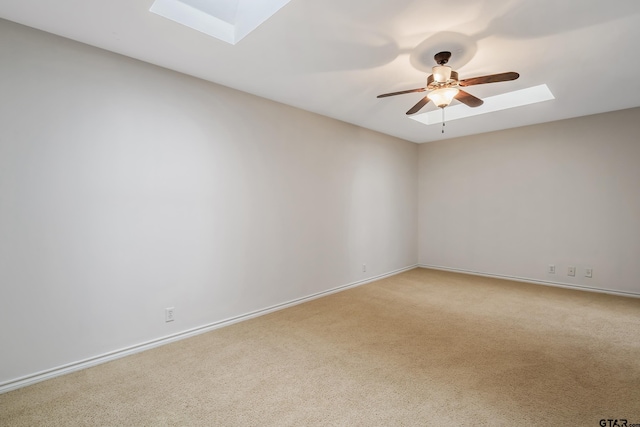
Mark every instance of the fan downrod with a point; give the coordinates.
(442, 57)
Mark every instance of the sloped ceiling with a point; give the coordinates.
(333, 57)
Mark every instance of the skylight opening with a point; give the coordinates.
(224, 10)
(504, 101)
(227, 20)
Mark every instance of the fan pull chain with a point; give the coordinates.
(442, 119)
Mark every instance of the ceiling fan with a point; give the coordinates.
(443, 85)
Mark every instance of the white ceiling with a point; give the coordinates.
(333, 57)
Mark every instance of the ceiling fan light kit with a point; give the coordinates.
(443, 86)
(443, 97)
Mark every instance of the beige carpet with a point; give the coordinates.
(423, 348)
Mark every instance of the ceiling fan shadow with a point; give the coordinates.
(462, 47)
(338, 49)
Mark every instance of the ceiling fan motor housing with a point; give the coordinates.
(442, 75)
(442, 78)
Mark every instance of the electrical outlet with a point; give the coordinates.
(588, 272)
(364, 267)
(169, 314)
(571, 271)
(551, 269)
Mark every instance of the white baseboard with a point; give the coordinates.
(117, 354)
(534, 281)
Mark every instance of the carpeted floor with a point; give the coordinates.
(423, 348)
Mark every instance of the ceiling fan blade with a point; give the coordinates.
(493, 78)
(384, 95)
(468, 99)
(418, 106)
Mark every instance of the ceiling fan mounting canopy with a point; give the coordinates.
(442, 57)
(444, 85)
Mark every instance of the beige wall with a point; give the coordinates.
(126, 188)
(512, 202)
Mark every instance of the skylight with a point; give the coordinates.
(513, 99)
(227, 20)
